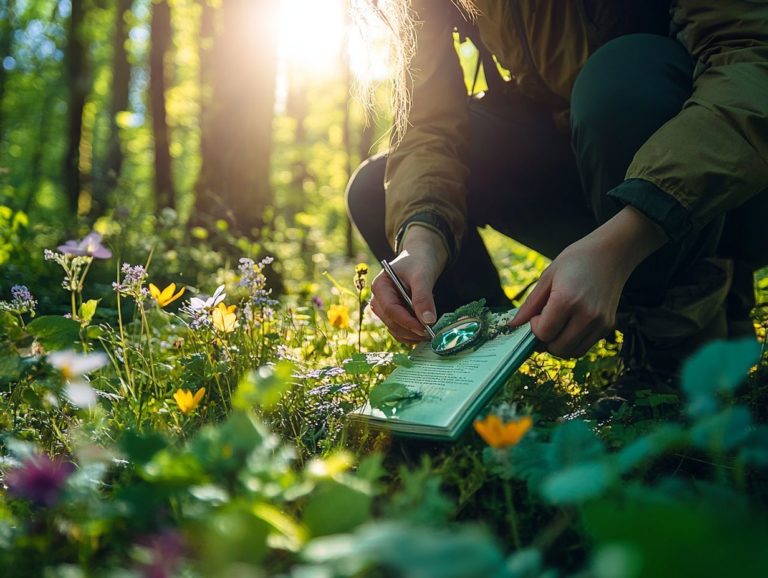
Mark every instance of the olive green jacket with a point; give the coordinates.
(710, 158)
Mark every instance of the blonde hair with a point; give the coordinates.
(399, 21)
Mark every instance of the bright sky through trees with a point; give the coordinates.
(313, 33)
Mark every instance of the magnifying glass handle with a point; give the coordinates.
(404, 294)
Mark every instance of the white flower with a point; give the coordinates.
(197, 304)
(73, 367)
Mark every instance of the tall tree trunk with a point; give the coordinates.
(160, 42)
(238, 96)
(78, 81)
(6, 48)
(121, 78)
(296, 106)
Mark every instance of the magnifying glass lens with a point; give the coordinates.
(457, 336)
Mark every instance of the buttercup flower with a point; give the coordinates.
(89, 246)
(224, 318)
(166, 296)
(73, 366)
(186, 401)
(499, 434)
(39, 480)
(338, 315)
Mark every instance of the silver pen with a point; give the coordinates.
(407, 298)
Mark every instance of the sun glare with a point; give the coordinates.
(312, 34)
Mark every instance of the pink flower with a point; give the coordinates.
(89, 246)
(39, 480)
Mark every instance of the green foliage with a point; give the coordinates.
(54, 332)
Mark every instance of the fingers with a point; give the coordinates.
(583, 328)
(423, 302)
(564, 321)
(388, 306)
(535, 301)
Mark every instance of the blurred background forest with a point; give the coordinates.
(222, 115)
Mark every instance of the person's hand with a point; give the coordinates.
(574, 303)
(418, 265)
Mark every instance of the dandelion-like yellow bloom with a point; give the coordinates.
(167, 295)
(338, 315)
(224, 318)
(498, 434)
(186, 401)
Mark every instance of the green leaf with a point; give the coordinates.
(10, 367)
(724, 431)
(573, 442)
(139, 448)
(528, 461)
(232, 535)
(755, 449)
(336, 507)
(358, 365)
(388, 394)
(263, 387)
(55, 332)
(719, 366)
(649, 447)
(402, 360)
(578, 483)
(87, 310)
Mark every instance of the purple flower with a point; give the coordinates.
(22, 301)
(317, 302)
(164, 551)
(133, 281)
(89, 246)
(39, 480)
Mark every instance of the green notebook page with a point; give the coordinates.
(449, 385)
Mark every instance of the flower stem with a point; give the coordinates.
(511, 516)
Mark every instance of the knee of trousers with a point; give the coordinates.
(365, 192)
(627, 89)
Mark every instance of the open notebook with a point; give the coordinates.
(437, 397)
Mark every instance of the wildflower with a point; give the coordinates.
(39, 480)
(161, 554)
(89, 246)
(224, 318)
(133, 282)
(361, 272)
(186, 401)
(253, 279)
(500, 434)
(197, 304)
(73, 367)
(317, 301)
(166, 296)
(338, 315)
(22, 301)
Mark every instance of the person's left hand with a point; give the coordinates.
(575, 301)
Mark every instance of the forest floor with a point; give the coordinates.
(174, 405)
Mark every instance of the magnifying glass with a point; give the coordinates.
(451, 339)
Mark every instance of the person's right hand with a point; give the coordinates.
(419, 264)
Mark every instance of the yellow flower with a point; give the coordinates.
(338, 315)
(501, 435)
(224, 318)
(186, 401)
(166, 296)
(361, 272)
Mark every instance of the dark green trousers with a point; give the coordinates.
(547, 189)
